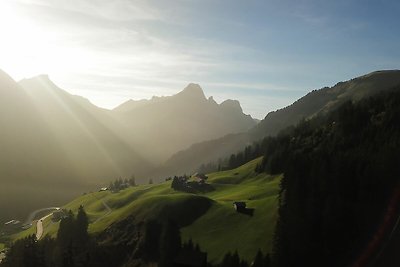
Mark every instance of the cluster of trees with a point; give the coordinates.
(233, 260)
(72, 247)
(179, 183)
(120, 184)
(340, 171)
(237, 159)
(182, 183)
(248, 154)
(125, 243)
(170, 247)
(154, 242)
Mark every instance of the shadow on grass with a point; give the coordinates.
(246, 211)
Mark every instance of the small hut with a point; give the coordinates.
(238, 205)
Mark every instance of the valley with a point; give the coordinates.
(137, 133)
(236, 213)
(209, 219)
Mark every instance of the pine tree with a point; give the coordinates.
(170, 244)
(82, 224)
(258, 260)
(132, 180)
(66, 229)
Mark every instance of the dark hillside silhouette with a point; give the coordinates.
(340, 172)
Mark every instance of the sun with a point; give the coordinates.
(28, 48)
(19, 38)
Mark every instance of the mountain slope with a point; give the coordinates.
(325, 100)
(54, 146)
(208, 218)
(86, 133)
(164, 125)
(318, 101)
(340, 195)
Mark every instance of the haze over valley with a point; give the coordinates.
(57, 145)
(148, 133)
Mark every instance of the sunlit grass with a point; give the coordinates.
(223, 229)
(217, 230)
(24, 233)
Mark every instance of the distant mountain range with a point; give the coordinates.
(318, 101)
(164, 125)
(54, 145)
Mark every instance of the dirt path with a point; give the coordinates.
(39, 226)
(109, 210)
(32, 215)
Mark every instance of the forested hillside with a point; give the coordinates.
(338, 199)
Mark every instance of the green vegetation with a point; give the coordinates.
(24, 233)
(341, 187)
(209, 219)
(2, 246)
(222, 229)
(73, 247)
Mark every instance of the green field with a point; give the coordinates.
(24, 233)
(209, 218)
(222, 229)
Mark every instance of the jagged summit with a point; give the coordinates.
(192, 90)
(231, 105)
(211, 100)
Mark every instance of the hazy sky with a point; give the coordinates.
(265, 53)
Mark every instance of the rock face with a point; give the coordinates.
(165, 125)
(192, 92)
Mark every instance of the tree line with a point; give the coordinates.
(340, 171)
(72, 247)
(236, 159)
(125, 243)
(120, 184)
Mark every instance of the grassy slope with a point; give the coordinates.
(24, 233)
(222, 229)
(218, 229)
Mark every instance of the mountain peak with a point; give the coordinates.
(231, 105)
(42, 79)
(5, 78)
(193, 90)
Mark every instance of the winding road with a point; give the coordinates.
(39, 223)
(32, 215)
(39, 226)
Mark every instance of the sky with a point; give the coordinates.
(266, 54)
